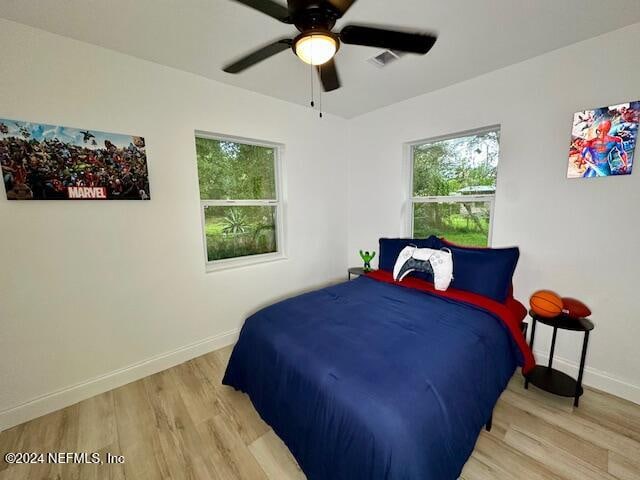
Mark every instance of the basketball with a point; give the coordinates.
(546, 303)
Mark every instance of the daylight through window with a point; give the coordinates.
(240, 201)
(453, 184)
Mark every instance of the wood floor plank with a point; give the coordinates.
(60, 431)
(180, 442)
(579, 426)
(499, 428)
(137, 433)
(10, 441)
(508, 460)
(223, 354)
(550, 400)
(239, 411)
(230, 456)
(145, 460)
(619, 415)
(183, 424)
(18, 472)
(216, 364)
(474, 469)
(560, 462)
(197, 389)
(556, 436)
(112, 471)
(275, 459)
(97, 423)
(624, 468)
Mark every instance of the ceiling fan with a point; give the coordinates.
(316, 44)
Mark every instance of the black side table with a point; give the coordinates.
(355, 272)
(552, 380)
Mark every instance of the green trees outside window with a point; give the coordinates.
(239, 198)
(453, 187)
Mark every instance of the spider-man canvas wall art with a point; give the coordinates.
(603, 141)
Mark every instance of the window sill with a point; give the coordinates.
(240, 262)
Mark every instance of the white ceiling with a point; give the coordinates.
(200, 36)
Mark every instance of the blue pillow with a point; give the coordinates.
(485, 271)
(390, 248)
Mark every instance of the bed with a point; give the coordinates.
(370, 379)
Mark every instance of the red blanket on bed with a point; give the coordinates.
(511, 313)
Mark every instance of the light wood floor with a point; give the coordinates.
(183, 424)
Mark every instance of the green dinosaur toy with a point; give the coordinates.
(366, 258)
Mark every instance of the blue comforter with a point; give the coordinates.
(368, 380)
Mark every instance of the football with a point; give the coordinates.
(575, 308)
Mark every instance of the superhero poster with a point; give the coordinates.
(48, 162)
(603, 141)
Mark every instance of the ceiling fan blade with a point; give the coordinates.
(342, 5)
(389, 39)
(269, 7)
(329, 76)
(258, 56)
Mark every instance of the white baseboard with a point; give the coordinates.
(75, 393)
(593, 377)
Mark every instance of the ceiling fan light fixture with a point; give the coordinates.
(315, 48)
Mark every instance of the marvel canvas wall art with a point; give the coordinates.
(48, 162)
(603, 141)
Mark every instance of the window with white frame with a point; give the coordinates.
(453, 185)
(240, 200)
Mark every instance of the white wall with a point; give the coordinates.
(90, 289)
(578, 237)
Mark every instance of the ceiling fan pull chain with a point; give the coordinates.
(320, 93)
(313, 103)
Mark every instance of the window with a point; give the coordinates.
(239, 200)
(453, 184)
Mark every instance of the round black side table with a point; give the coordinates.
(552, 380)
(355, 271)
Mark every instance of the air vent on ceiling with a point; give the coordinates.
(385, 58)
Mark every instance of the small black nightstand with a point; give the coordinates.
(549, 379)
(355, 272)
